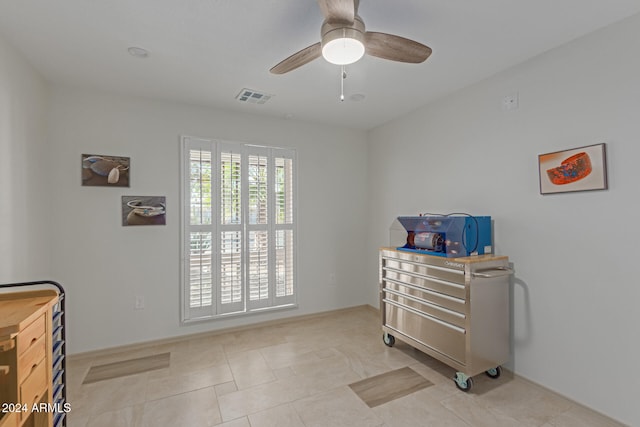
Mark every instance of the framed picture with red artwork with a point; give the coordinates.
(576, 169)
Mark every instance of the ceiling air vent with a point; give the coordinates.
(253, 96)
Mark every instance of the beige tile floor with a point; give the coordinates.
(296, 374)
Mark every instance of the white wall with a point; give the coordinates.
(575, 291)
(104, 265)
(24, 163)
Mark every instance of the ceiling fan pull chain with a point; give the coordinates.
(343, 75)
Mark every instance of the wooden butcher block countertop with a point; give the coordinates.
(18, 312)
(466, 260)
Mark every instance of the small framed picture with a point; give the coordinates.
(144, 210)
(105, 171)
(576, 169)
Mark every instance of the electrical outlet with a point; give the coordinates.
(139, 303)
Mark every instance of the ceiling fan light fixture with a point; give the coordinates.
(343, 46)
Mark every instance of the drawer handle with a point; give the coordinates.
(33, 368)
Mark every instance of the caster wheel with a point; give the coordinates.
(389, 340)
(494, 372)
(463, 382)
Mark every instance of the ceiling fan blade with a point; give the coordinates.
(338, 10)
(298, 59)
(395, 48)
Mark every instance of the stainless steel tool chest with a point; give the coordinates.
(453, 309)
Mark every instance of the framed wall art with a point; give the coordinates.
(144, 210)
(575, 169)
(107, 171)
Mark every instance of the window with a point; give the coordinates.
(238, 228)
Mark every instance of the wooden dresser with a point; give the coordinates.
(26, 358)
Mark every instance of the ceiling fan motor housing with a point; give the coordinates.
(337, 30)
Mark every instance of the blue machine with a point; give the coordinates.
(451, 235)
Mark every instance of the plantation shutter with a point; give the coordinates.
(238, 228)
(260, 210)
(231, 241)
(284, 226)
(198, 194)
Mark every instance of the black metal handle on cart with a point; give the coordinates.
(59, 420)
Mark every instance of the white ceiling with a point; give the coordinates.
(204, 52)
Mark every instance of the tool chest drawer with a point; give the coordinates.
(416, 266)
(431, 283)
(440, 336)
(396, 294)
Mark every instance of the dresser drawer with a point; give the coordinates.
(34, 386)
(29, 335)
(31, 357)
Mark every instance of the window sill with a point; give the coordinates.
(238, 314)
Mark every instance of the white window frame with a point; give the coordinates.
(216, 308)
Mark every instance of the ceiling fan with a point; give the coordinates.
(344, 41)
